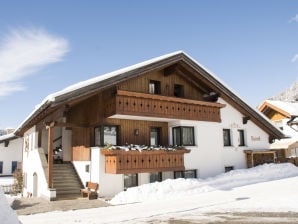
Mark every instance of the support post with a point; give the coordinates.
(50, 155)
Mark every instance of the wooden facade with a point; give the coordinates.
(132, 97)
(146, 161)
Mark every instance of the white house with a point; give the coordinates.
(283, 114)
(10, 154)
(167, 117)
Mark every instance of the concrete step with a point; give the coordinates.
(66, 180)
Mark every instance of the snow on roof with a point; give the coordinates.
(287, 106)
(7, 137)
(100, 78)
(52, 97)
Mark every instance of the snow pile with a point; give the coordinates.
(7, 215)
(6, 180)
(178, 188)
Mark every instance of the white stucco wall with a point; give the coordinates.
(80, 167)
(13, 152)
(32, 165)
(209, 156)
(109, 184)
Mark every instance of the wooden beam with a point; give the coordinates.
(245, 120)
(65, 124)
(50, 156)
(188, 76)
(170, 70)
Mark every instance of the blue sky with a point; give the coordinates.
(46, 46)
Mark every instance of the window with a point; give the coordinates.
(228, 168)
(155, 136)
(227, 137)
(154, 87)
(130, 180)
(241, 138)
(1, 166)
(155, 177)
(14, 165)
(187, 174)
(183, 136)
(104, 135)
(178, 90)
(87, 168)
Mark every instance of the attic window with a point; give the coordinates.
(178, 90)
(154, 87)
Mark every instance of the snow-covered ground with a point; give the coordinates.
(267, 188)
(6, 180)
(7, 215)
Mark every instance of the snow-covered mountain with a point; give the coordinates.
(290, 94)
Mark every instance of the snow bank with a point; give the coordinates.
(7, 215)
(6, 180)
(178, 188)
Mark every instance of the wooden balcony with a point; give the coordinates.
(150, 105)
(122, 162)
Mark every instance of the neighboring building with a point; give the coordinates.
(169, 100)
(283, 114)
(11, 148)
(3, 132)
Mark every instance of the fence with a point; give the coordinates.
(10, 189)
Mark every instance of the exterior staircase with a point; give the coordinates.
(66, 181)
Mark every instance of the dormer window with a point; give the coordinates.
(154, 87)
(178, 90)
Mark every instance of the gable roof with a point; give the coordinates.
(200, 74)
(285, 108)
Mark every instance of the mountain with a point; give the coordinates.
(290, 94)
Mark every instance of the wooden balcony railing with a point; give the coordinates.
(122, 162)
(150, 105)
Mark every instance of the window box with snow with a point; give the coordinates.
(125, 160)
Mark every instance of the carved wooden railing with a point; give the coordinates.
(142, 104)
(121, 161)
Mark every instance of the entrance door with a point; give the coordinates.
(35, 185)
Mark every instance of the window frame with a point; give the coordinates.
(158, 131)
(156, 87)
(241, 137)
(14, 164)
(1, 167)
(159, 177)
(180, 128)
(101, 134)
(229, 168)
(229, 137)
(178, 90)
(131, 175)
(182, 174)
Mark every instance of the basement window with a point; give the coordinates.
(130, 180)
(155, 177)
(228, 168)
(187, 174)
